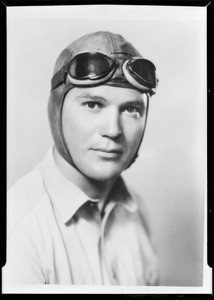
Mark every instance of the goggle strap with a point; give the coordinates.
(59, 77)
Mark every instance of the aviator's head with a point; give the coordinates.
(98, 104)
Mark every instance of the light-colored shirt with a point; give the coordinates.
(56, 234)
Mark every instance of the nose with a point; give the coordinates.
(111, 125)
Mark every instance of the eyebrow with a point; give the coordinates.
(92, 97)
(139, 103)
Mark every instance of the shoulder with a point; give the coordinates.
(23, 196)
(142, 208)
(29, 184)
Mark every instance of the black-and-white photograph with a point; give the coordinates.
(106, 150)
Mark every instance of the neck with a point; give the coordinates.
(93, 188)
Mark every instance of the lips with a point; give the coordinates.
(108, 153)
(106, 150)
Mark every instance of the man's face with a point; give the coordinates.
(103, 127)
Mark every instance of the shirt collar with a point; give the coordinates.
(120, 194)
(68, 198)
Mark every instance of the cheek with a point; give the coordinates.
(70, 125)
(73, 133)
(77, 129)
(133, 134)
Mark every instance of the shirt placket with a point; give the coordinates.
(92, 224)
(109, 274)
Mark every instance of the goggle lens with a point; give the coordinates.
(143, 71)
(90, 66)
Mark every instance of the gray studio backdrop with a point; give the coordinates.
(170, 172)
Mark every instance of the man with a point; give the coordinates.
(73, 220)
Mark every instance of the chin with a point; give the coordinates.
(102, 174)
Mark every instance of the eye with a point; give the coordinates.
(132, 111)
(92, 105)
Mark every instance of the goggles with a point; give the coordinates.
(93, 68)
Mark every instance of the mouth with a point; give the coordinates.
(108, 153)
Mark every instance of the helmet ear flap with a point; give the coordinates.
(136, 153)
(55, 105)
